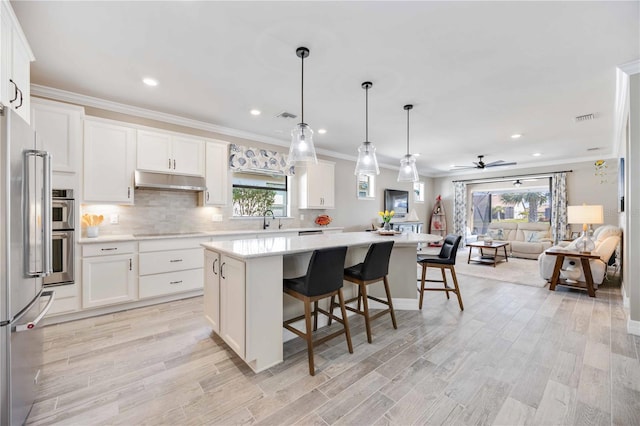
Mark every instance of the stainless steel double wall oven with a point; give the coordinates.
(63, 219)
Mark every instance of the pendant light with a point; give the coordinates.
(517, 183)
(367, 163)
(302, 149)
(408, 171)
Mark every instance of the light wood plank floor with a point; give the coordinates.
(516, 355)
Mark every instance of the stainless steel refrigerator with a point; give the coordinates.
(25, 257)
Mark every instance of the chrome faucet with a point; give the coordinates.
(265, 225)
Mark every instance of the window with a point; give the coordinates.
(366, 187)
(254, 193)
(531, 204)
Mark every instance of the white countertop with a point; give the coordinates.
(266, 232)
(273, 246)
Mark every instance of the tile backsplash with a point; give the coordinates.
(170, 212)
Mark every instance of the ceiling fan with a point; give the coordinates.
(482, 165)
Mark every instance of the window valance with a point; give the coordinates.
(242, 158)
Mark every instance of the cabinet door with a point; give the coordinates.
(21, 65)
(58, 127)
(212, 289)
(326, 175)
(154, 151)
(108, 279)
(217, 172)
(188, 156)
(232, 304)
(318, 187)
(109, 159)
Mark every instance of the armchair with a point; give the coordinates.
(606, 238)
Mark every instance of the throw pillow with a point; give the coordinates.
(496, 234)
(534, 236)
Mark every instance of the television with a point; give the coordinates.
(396, 200)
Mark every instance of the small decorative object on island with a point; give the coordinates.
(386, 218)
(323, 220)
(91, 221)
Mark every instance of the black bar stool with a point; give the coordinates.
(323, 279)
(446, 259)
(374, 269)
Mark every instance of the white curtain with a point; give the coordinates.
(243, 158)
(558, 206)
(460, 210)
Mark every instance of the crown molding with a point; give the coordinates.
(631, 68)
(90, 101)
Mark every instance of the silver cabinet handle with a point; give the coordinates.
(174, 164)
(15, 91)
(21, 99)
(169, 163)
(130, 264)
(109, 249)
(175, 260)
(175, 282)
(222, 271)
(213, 267)
(128, 192)
(207, 195)
(32, 324)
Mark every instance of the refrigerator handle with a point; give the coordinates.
(32, 324)
(45, 214)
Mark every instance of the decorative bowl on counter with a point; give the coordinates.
(323, 220)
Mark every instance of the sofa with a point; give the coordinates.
(526, 240)
(606, 238)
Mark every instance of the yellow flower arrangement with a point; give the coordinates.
(386, 215)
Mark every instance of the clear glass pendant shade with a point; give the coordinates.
(367, 162)
(302, 148)
(408, 171)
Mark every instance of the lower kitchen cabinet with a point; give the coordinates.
(169, 283)
(212, 289)
(109, 279)
(232, 303)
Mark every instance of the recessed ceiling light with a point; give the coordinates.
(516, 136)
(255, 112)
(150, 81)
(322, 131)
(536, 154)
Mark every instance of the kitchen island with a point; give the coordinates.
(243, 298)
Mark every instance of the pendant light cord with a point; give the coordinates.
(302, 90)
(408, 131)
(366, 115)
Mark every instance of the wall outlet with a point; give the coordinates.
(216, 217)
(301, 217)
(114, 219)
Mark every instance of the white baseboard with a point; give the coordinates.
(633, 327)
(625, 298)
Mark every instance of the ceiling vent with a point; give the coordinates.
(285, 114)
(594, 149)
(586, 117)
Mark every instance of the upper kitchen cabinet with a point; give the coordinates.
(216, 173)
(58, 126)
(109, 162)
(317, 185)
(15, 63)
(169, 153)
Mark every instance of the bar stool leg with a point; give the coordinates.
(346, 321)
(315, 315)
(424, 275)
(332, 304)
(391, 311)
(365, 304)
(455, 283)
(308, 337)
(444, 281)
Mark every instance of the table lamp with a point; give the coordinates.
(586, 215)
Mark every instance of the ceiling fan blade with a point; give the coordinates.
(462, 167)
(500, 164)
(477, 165)
(494, 163)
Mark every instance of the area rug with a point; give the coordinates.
(515, 271)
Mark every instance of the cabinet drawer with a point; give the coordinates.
(108, 249)
(172, 244)
(172, 282)
(169, 261)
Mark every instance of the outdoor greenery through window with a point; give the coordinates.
(532, 204)
(254, 193)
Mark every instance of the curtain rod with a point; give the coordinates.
(504, 178)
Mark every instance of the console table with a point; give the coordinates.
(587, 284)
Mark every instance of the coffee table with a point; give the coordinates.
(490, 259)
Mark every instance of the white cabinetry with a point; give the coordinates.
(58, 127)
(109, 160)
(317, 186)
(232, 303)
(170, 266)
(15, 60)
(109, 274)
(169, 153)
(216, 173)
(212, 289)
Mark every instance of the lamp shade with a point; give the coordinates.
(585, 214)
(302, 149)
(408, 171)
(367, 162)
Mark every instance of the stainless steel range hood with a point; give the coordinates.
(153, 180)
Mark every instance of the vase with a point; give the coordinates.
(92, 231)
(386, 226)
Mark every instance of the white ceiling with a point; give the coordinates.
(476, 72)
